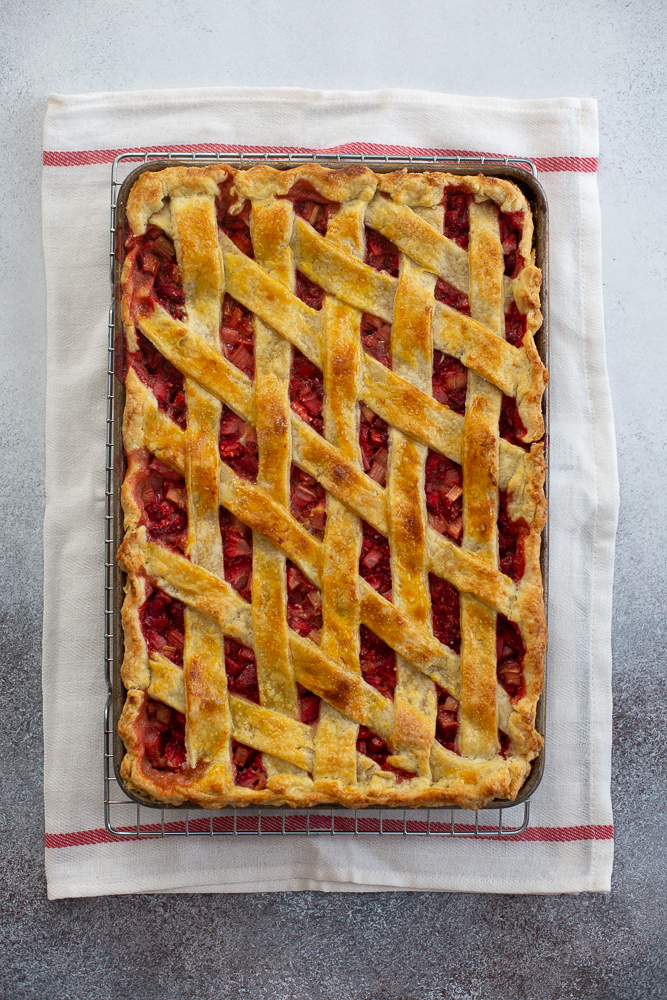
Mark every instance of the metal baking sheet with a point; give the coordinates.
(519, 171)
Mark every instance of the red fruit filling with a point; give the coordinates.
(304, 604)
(378, 662)
(161, 493)
(237, 553)
(511, 426)
(312, 206)
(372, 746)
(447, 720)
(163, 624)
(450, 381)
(306, 391)
(456, 223)
(445, 612)
(374, 561)
(308, 291)
(376, 338)
(515, 326)
(374, 442)
(504, 741)
(381, 253)
(248, 767)
(236, 226)
(511, 535)
(158, 374)
(162, 735)
(444, 292)
(241, 670)
(156, 274)
(237, 335)
(511, 227)
(238, 445)
(308, 502)
(444, 495)
(309, 706)
(510, 652)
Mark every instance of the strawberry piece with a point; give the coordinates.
(444, 495)
(241, 670)
(511, 426)
(447, 720)
(450, 379)
(304, 604)
(444, 292)
(511, 540)
(160, 375)
(515, 326)
(237, 335)
(511, 228)
(237, 445)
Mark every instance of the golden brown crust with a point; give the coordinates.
(308, 765)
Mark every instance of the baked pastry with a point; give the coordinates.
(334, 490)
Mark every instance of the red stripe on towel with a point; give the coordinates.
(88, 157)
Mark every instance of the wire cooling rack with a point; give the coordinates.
(128, 818)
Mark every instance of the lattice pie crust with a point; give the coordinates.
(250, 284)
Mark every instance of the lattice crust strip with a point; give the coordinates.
(304, 623)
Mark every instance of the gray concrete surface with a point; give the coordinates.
(308, 946)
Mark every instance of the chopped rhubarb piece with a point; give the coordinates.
(163, 624)
(374, 443)
(445, 612)
(161, 494)
(312, 206)
(309, 706)
(511, 227)
(163, 735)
(376, 338)
(378, 662)
(156, 274)
(234, 216)
(308, 501)
(372, 746)
(306, 391)
(237, 335)
(515, 326)
(450, 381)
(308, 291)
(241, 670)
(444, 292)
(238, 445)
(511, 537)
(447, 720)
(381, 253)
(456, 222)
(511, 426)
(158, 374)
(237, 553)
(304, 604)
(444, 495)
(248, 767)
(374, 560)
(510, 652)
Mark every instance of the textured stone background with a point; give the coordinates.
(306, 946)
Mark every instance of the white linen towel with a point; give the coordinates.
(569, 845)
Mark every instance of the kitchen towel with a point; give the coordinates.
(568, 846)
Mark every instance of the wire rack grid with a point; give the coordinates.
(127, 818)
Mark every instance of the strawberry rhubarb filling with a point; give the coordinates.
(161, 732)
(233, 217)
(306, 391)
(154, 272)
(237, 336)
(160, 492)
(162, 377)
(163, 624)
(374, 444)
(237, 445)
(444, 495)
(511, 537)
(308, 502)
(510, 651)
